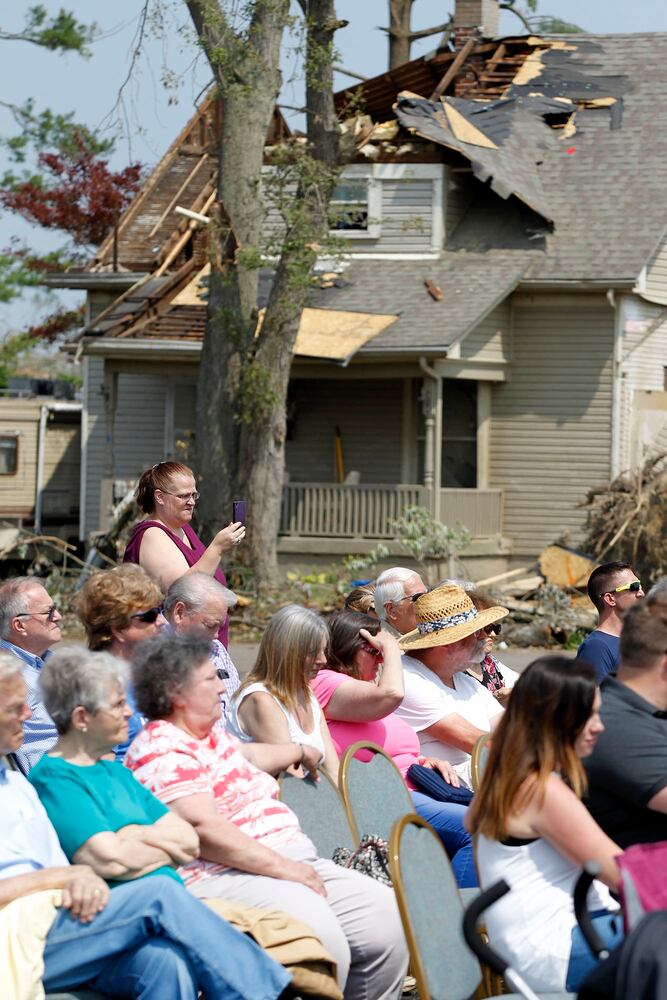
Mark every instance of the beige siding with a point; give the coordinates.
(490, 341)
(655, 288)
(643, 362)
(550, 438)
(20, 419)
(369, 416)
(62, 466)
(95, 444)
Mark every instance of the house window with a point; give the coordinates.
(354, 208)
(9, 455)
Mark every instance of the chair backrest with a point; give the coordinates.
(373, 791)
(320, 810)
(633, 909)
(432, 913)
(478, 759)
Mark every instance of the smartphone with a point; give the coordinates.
(238, 511)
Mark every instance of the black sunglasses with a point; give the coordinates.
(149, 616)
(493, 629)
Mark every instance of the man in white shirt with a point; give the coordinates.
(448, 709)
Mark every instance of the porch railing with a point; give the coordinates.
(329, 510)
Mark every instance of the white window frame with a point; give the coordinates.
(357, 172)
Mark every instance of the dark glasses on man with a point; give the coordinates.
(632, 588)
(149, 616)
(493, 629)
(50, 613)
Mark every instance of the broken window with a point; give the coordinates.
(349, 206)
(355, 207)
(9, 455)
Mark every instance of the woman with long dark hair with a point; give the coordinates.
(358, 690)
(534, 831)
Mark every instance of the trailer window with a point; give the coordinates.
(9, 455)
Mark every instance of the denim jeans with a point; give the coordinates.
(610, 929)
(446, 818)
(155, 941)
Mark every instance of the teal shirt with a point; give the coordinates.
(102, 798)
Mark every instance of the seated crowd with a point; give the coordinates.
(139, 797)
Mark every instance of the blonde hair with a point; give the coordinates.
(292, 637)
(107, 600)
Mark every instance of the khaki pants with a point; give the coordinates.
(358, 923)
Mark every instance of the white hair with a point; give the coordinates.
(75, 675)
(390, 587)
(194, 590)
(659, 587)
(12, 601)
(10, 665)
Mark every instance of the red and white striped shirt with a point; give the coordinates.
(173, 765)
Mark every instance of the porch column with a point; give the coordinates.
(432, 408)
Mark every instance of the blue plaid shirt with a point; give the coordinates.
(39, 730)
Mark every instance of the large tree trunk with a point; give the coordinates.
(243, 377)
(400, 20)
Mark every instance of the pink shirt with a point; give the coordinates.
(174, 765)
(396, 737)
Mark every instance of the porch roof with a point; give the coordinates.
(471, 285)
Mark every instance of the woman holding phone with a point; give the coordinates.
(164, 543)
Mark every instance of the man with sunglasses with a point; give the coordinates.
(29, 628)
(613, 588)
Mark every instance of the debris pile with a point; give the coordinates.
(627, 519)
(547, 601)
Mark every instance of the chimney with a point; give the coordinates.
(475, 14)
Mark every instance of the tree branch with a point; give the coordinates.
(509, 5)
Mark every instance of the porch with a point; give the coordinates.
(366, 511)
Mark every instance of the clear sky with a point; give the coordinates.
(152, 113)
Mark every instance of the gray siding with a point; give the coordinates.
(550, 437)
(139, 425)
(490, 341)
(459, 193)
(406, 219)
(369, 416)
(96, 443)
(656, 276)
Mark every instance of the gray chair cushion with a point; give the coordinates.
(320, 810)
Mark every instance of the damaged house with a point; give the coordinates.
(492, 343)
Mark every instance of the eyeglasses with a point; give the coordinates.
(184, 496)
(367, 648)
(50, 614)
(149, 616)
(633, 588)
(493, 629)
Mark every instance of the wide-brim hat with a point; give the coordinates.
(444, 616)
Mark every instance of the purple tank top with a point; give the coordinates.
(191, 555)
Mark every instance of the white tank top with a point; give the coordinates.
(296, 733)
(532, 925)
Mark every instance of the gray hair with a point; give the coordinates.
(194, 590)
(73, 676)
(162, 666)
(659, 587)
(10, 665)
(390, 588)
(12, 602)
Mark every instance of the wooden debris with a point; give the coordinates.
(433, 290)
(565, 567)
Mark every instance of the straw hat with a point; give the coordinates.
(444, 616)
